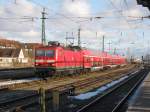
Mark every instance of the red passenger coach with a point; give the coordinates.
(87, 59)
(106, 59)
(118, 60)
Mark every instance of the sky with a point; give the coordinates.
(120, 23)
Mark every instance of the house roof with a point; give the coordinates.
(9, 43)
(9, 52)
(30, 45)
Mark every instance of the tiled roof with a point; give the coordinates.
(9, 52)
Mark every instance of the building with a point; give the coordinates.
(16, 54)
(29, 49)
(12, 58)
(5, 43)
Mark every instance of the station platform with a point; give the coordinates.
(140, 102)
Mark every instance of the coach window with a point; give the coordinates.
(50, 53)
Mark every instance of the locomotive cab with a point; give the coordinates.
(45, 60)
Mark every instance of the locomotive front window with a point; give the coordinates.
(40, 53)
(49, 53)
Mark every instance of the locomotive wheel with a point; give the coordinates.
(44, 75)
(51, 73)
(86, 71)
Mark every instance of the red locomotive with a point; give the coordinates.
(55, 59)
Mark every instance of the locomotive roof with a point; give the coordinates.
(73, 47)
(64, 47)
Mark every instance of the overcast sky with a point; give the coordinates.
(119, 23)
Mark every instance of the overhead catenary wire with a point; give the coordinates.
(23, 18)
(126, 3)
(42, 6)
(26, 19)
(66, 17)
(124, 18)
(72, 19)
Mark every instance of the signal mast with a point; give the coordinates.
(43, 40)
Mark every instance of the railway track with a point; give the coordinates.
(9, 83)
(17, 73)
(33, 82)
(30, 99)
(112, 100)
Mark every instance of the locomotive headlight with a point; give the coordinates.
(50, 61)
(40, 60)
(36, 64)
(53, 64)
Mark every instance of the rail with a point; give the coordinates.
(105, 102)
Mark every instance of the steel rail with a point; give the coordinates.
(128, 94)
(84, 108)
